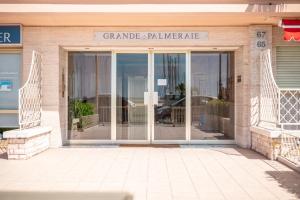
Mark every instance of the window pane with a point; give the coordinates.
(9, 80)
(89, 95)
(212, 96)
(9, 86)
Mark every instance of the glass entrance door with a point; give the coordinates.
(150, 96)
(131, 96)
(169, 96)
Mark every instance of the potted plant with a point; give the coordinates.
(181, 89)
(83, 115)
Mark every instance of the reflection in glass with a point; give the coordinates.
(9, 80)
(169, 83)
(132, 83)
(9, 86)
(89, 92)
(212, 96)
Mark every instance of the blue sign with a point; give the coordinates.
(10, 34)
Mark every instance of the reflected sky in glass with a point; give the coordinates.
(171, 67)
(130, 65)
(209, 73)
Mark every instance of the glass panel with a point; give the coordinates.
(132, 83)
(9, 80)
(169, 83)
(89, 89)
(212, 96)
(9, 85)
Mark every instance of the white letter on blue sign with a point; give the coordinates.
(6, 37)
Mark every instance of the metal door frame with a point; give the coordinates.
(150, 135)
(187, 96)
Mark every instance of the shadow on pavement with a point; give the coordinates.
(3, 156)
(289, 180)
(250, 154)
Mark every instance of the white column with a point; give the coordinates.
(188, 97)
(113, 97)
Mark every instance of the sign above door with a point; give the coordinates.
(151, 36)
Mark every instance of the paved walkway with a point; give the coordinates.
(155, 173)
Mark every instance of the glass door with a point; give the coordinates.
(151, 96)
(132, 96)
(169, 96)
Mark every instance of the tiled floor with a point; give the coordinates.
(155, 173)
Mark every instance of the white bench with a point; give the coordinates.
(23, 144)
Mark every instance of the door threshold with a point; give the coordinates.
(151, 145)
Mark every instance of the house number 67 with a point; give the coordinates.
(260, 34)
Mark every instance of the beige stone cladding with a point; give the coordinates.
(266, 142)
(54, 42)
(26, 148)
(23, 144)
(259, 38)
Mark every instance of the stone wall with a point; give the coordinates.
(23, 144)
(3, 147)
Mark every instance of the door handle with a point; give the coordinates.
(155, 98)
(146, 98)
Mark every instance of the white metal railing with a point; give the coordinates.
(289, 106)
(290, 147)
(278, 106)
(268, 91)
(30, 95)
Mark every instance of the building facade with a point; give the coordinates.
(174, 72)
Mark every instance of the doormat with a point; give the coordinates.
(151, 145)
(208, 146)
(90, 146)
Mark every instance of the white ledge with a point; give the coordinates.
(269, 132)
(26, 133)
